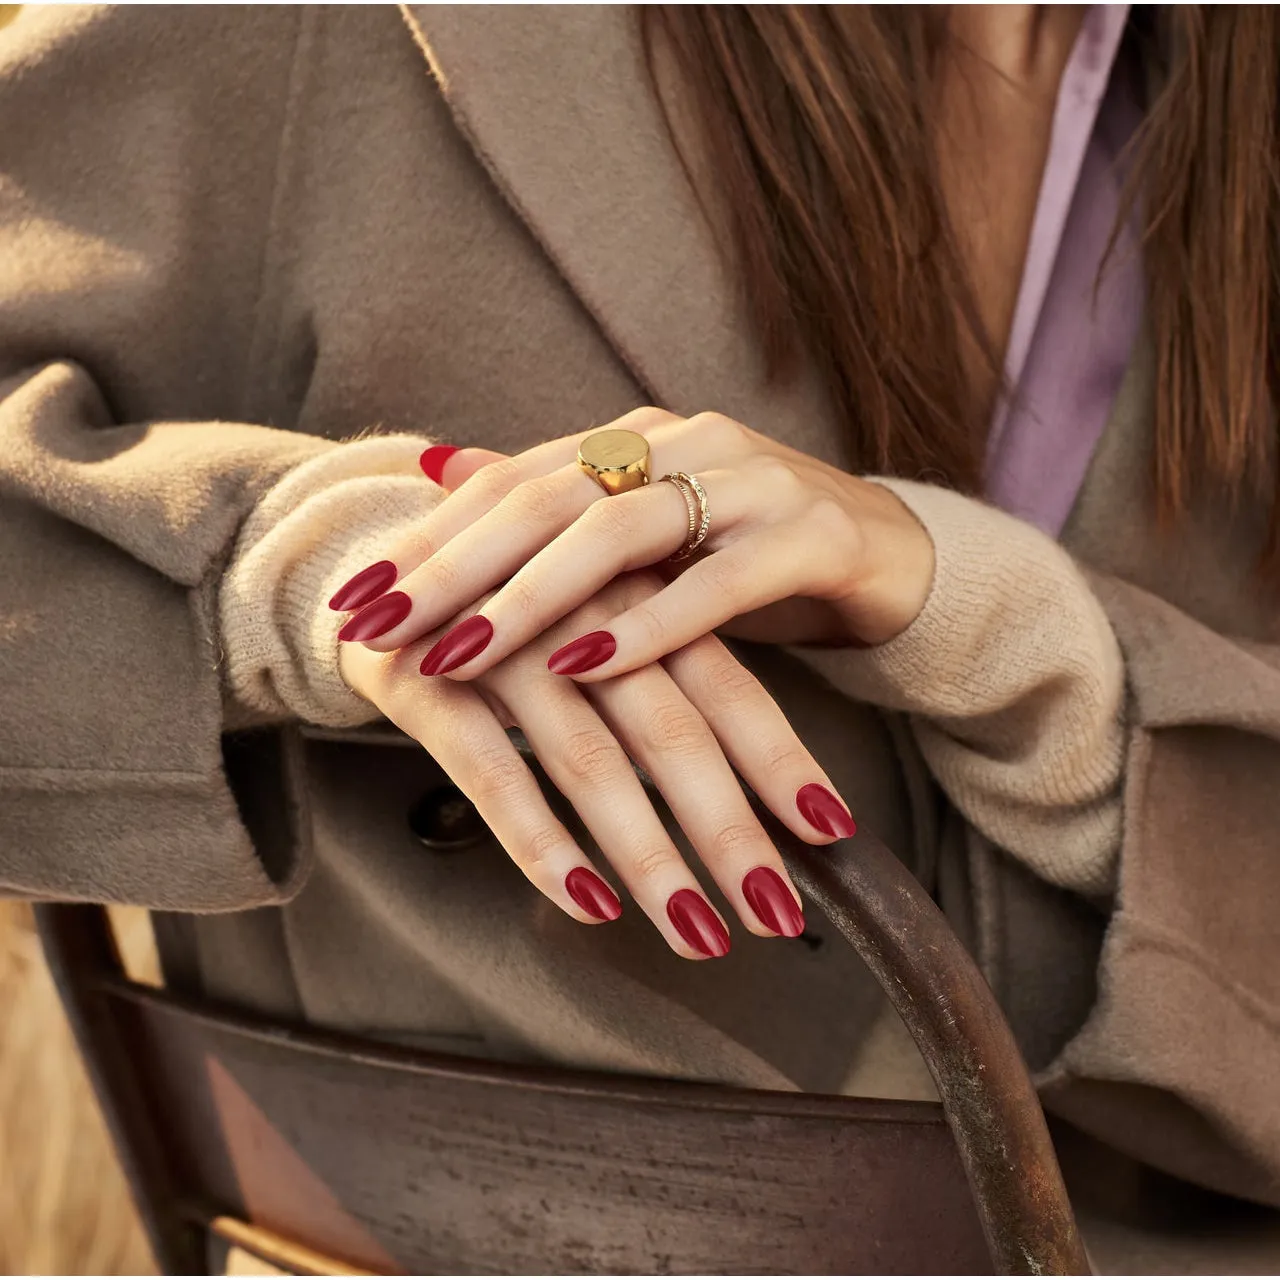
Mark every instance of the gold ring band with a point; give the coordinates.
(617, 460)
(695, 497)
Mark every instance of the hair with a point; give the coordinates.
(818, 126)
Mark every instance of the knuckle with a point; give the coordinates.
(536, 502)
(731, 682)
(539, 846)
(610, 519)
(522, 598)
(495, 479)
(785, 758)
(674, 728)
(831, 518)
(723, 431)
(445, 574)
(496, 777)
(779, 475)
(645, 418)
(735, 838)
(589, 757)
(651, 865)
(648, 621)
(721, 574)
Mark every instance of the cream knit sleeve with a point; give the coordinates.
(1015, 686)
(317, 527)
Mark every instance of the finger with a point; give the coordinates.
(609, 538)
(466, 739)
(751, 572)
(640, 527)
(584, 760)
(485, 554)
(485, 486)
(450, 467)
(669, 737)
(486, 477)
(758, 740)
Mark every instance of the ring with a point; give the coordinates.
(695, 497)
(617, 460)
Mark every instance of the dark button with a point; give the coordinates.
(446, 821)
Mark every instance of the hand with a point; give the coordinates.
(850, 561)
(685, 722)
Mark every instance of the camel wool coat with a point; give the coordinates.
(231, 237)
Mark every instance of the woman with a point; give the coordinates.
(235, 244)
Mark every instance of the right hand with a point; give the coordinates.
(685, 721)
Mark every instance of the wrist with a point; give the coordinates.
(888, 589)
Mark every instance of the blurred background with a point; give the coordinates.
(64, 1204)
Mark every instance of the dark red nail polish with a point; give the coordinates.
(367, 585)
(697, 923)
(823, 810)
(774, 904)
(378, 618)
(582, 654)
(432, 460)
(457, 646)
(592, 894)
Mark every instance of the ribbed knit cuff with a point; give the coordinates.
(1015, 683)
(320, 525)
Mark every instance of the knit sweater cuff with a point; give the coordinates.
(1015, 684)
(316, 528)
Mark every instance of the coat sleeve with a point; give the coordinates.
(138, 155)
(1118, 748)
(1178, 1059)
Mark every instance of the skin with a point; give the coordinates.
(799, 552)
(686, 722)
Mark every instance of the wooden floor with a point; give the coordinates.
(64, 1205)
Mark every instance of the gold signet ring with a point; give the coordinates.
(617, 460)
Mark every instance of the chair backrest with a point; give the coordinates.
(393, 1160)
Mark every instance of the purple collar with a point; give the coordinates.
(1069, 347)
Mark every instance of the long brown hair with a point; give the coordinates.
(817, 123)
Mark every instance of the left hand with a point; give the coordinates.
(852, 563)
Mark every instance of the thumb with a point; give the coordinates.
(449, 466)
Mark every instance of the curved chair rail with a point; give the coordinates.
(952, 1014)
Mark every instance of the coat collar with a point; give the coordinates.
(556, 103)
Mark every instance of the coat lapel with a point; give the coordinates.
(556, 103)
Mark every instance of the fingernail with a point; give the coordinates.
(367, 585)
(697, 923)
(457, 646)
(823, 810)
(582, 654)
(774, 904)
(592, 894)
(378, 618)
(432, 460)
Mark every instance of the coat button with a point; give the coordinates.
(445, 821)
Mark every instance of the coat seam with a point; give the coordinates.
(264, 343)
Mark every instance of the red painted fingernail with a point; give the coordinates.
(432, 460)
(367, 585)
(457, 646)
(378, 618)
(592, 894)
(582, 654)
(823, 810)
(697, 923)
(774, 904)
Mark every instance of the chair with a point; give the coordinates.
(326, 1153)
